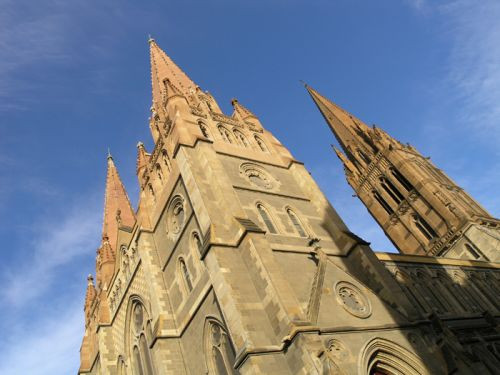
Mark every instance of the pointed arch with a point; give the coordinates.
(159, 173)
(266, 217)
(386, 206)
(218, 349)
(386, 357)
(136, 343)
(390, 189)
(204, 130)
(424, 228)
(241, 138)
(225, 134)
(166, 160)
(196, 242)
(296, 222)
(185, 275)
(401, 179)
(262, 145)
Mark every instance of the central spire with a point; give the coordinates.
(163, 70)
(347, 128)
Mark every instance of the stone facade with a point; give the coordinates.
(236, 263)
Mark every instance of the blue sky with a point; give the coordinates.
(74, 80)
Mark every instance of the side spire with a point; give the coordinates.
(116, 204)
(241, 111)
(163, 69)
(347, 128)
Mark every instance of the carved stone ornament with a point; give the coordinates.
(175, 215)
(336, 349)
(353, 300)
(257, 176)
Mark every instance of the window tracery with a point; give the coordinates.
(204, 130)
(241, 138)
(141, 354)
(225, 134)
(382, 202)
(266, 218)
(390, 189)
(262, 145)
(219, 354)
(423, 227)
(296, 223)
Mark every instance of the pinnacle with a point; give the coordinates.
(115, 199)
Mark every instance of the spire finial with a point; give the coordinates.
(109, 155)
(305, 84)
(90, 279)
(150, 39)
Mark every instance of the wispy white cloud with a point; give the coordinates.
(474, 70)
(55, 242)
(45, 345)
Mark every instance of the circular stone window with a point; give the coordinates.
(352, 299)
(176, 215)
(257, 176)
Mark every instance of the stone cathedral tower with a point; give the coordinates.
(420, 209)
(235, 263)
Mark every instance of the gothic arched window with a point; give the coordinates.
(141, 354)
(159, 173)
(241, 138)
(266, 218)
(261, 144)
(296, 223)
(197, 242)
(186, 277)
(382, 202)
(166, 159)
(204, 130)
(423, 227)
(390, 189)
(219, 354)
(225, 134)
(152, 192)
(401, 179)
(364, 157)
(472, 251)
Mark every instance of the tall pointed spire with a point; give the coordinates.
(117, 206)
(345, 126)
(163, 69)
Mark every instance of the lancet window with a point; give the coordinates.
(165, 159)
(152, 192)
(472, 251)
(382, 202)
(390, 189)
(197, 242)
(186, 277)
(261, 144)
(159, 173)
(204, 130)
(296, 223)
(141, 354)
(266, 218)
(225, 134)
(219, 354)
(241, 138)
(423, 227)
(401, 179)
(364, 157)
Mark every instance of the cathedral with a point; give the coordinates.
(235, 262)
